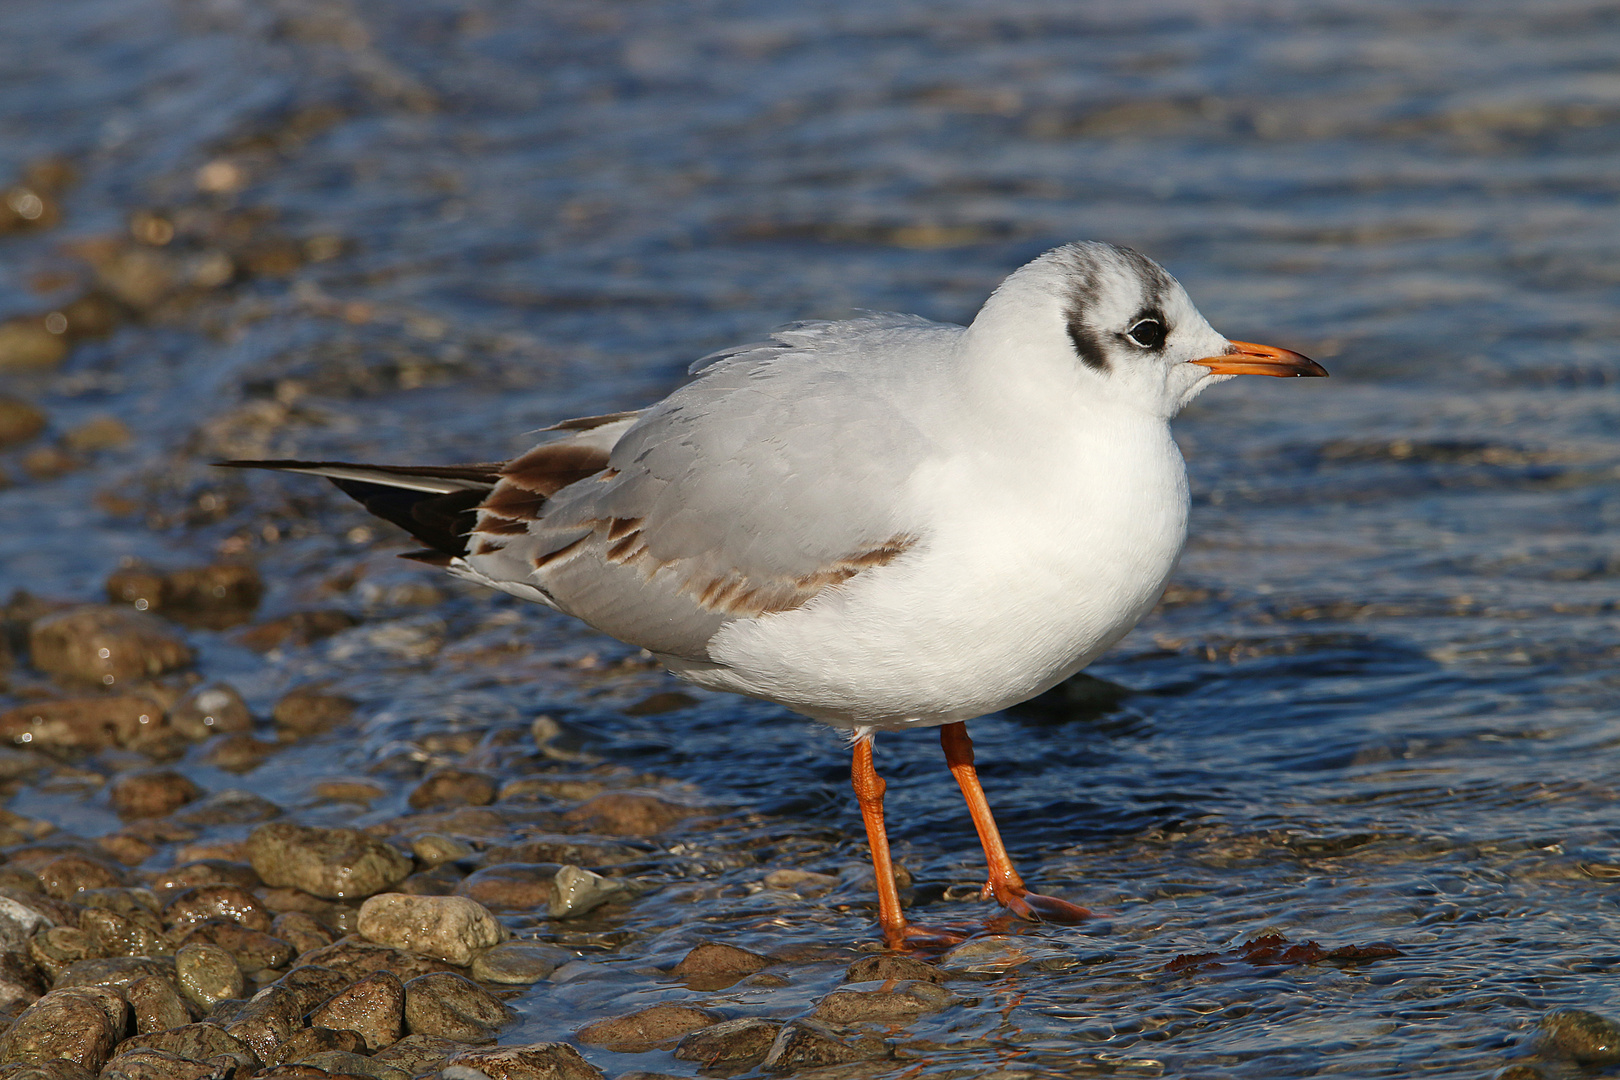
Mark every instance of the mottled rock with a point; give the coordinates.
(373, 1008)
(237, 752)
(364, 792)
(28, 344)
(76, 1024)
(314, 984)
(896, 1005)
(65, 876)
(417, 1054)
(451, 1007)
(807, 1044)
(56, 1069)
(431, 849)
(113, 934)
(18, 921)
(151, 793)
(993, 954)
(310, 711)
(196, 1041)
(56, 949)
(21, 981)
(216, 709)
(885, 966)
(331, 863)
(155, 1004)
(536, 1061)
(300, 930)
(145, 1063)
(510, 886)
(19, 421)
(231, 806)
(574, 891)
(207, 974)
(105, 645)
(314, 1040)
(453, 787)
(736, 1044)
(517, 963)
(714, 965)
(217, 596)
(562, 851)
(114, 972)
(203, 903)
(83, 723)
(354, 956)
(646, 1028)
(802, 882)
(296, 629)
(252, 950)
(345, 1063)
(627, 813)
(169, 883)
(451, 928)
(1580, 1036)
(266, 1021)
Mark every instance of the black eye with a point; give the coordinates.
(1148, 333)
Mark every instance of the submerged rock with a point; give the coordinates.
(646, 1028)
(105, 645)
(1580, 1036)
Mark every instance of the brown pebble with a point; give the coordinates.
(49, 462)
(313, 1040)
(373, 1008)
(714, 965)
(418, 1054)
(1582, 1036)
(97, 433)
(152, 793)
(808, 1044)
(144, 1063)
(898, 1004)
(310, 711)
(252, 950)
(201, 903)
(356, 791)
(73, 1024)
(451, 928)
(167, 883)
(195, 1041)
(28, 344)
(510, 886)
(67, 875)
(216, 596)
(332, 863)
(57, 948)
(314, 984)
(155, 1004)
(300, 930)
(637, 1032)
(561, 851)
(117, 972)
(105, 645)
(884, 967)
(295, 630)
(113, 934)
(267, 1020)
(453, 787)
(536, 1061)
(19, 421)
(81, 723)
(736, 1044)
(215, 709)
(237, 753)
(451, 1007)
(128, 849)
(623, 813)
(356, 957)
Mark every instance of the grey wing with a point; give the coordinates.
(771, 477)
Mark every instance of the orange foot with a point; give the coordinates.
(912, 936)
(1038, 908)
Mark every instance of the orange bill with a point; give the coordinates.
(1247, 358)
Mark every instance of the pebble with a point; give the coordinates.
(356, 957)
(296, 629)
(562, 850)
(342, 1063)
(202, 903)
(216, 596)
(82, 723)
(453, 787)
(517, 963)
(637, 1032)
(622, 813)
(231, 806)
(238, 752)
(451, 1007)
(253, 950)
(334, 864)
(1581, 1036)
(896, 1005)
(195, 1041)
(432, 849)
(451, 928)
(802, 882)
(207, 974)
(373, 1008)
(211, 710)
(49, 462)
(993, 954)
(73, 1024)
(19, 421)
(344, 790)
(737, 1044)
(886, 966)
(27, 344)
(65, 876)
(112, 934)
(510, 886)
(304, 1042)
(807, 1044)
(59, 948)
(18, 921)
(21, 981)
(167, 883)
(536, 1061)
(105, 645)
(418, 1054)
(268, 1019)
(574, 891)
(96, 434)
(155, 1004)
(300, 930)
(144, 1063)
(714, 965)
(151, 793)
(116, 972)
(310, 710)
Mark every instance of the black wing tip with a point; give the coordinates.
(428, 556)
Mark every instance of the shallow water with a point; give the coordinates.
(1377, 705)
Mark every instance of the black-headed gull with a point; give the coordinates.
(883, 523)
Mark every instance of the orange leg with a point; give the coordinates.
(1004, 883)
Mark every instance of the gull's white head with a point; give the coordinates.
(1116, 323)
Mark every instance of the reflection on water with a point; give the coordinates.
(1376, 706)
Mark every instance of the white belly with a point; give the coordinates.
(1025, 576)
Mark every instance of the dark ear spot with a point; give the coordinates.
(1087, 345)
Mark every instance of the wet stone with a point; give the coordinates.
(168, 883)
(314, 1040)
(58, 1069)
(575, 891)
(431, 849)
(517, 963)
(453, 787)
(253, 950)
(310, 711)
(1580, 1036)
(155, 1004)
(451, 928)
(628, 814)
(58, 948)
(373, 1008)
(112, 934)
(96, 434)
(65, 876)
(896, 1005)
(807, 1044)
(21, 981)
(144, 1063)
(330, 863)
(19, 421)
(203, 903)
(451, 1007)
(647, 1028)
(237, 752)
(314, 984)
(736, 1044)
(117, 972)
(105, 645)
(536, 1061)
(73, 1024)
(885, 966)
(416, 1054)
(562, 851)
(511, 886)
(27, 344)
(196, 1041)
(216, 596)
(211, 710)
(356, 957)
(344, 1063)
(152, 793)
(268, 1019)
(295, 630)
(87, 723)
(18, 921)
(802, 882)
(300, 930)
(714, 965)
(207, 974)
